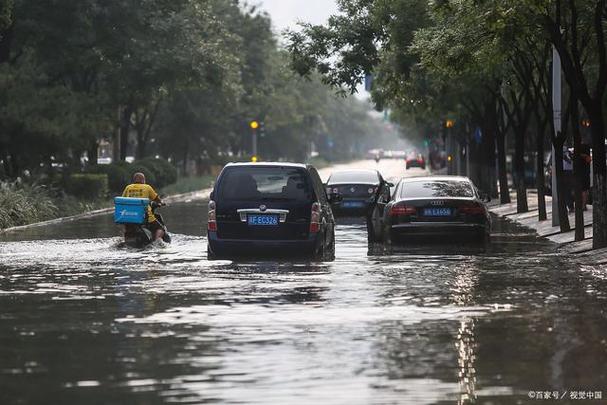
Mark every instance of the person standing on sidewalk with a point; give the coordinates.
(568, 178)
(584, 175)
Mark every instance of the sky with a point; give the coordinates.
(286, 13)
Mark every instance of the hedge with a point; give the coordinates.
(158, 173)
(89, 186)
(164, 172)
(118, 175)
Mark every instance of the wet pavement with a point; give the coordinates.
(85, 321)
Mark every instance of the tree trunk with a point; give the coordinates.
(501, 162)
(125, 126)
(7, 166)
(599, 189)
(519, 169)
(15, 169)
(93, 152)
(6, 39)
(539, 178)
(141, 143)
(489, 154)
(185, 159)
(577, 168)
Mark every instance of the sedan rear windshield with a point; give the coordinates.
(354, 177)
(438, 188)
(265, 184)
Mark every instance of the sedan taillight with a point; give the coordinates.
(315, 218)
(212, 217)
(472, 209)
(400, 210)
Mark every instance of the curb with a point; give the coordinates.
(177, 198)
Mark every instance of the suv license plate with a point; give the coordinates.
(353, 204)
(262, 220)
(437, 212)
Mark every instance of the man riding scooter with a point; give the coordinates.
(139, 189)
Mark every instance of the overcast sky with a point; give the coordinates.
(286, 13)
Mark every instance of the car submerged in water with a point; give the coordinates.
(360, 190)
(440, 209)
(270, 209)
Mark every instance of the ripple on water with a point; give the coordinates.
(412, 325)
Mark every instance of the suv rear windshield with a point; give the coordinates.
(437, 188)
(265, 184)
(354, 177)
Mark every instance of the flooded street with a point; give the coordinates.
(86, 321)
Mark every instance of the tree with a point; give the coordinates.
(569, 32)
(181, 79)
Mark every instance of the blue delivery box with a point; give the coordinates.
(130, 210)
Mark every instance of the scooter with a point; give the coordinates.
(139, 236)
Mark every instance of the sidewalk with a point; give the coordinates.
(565, 241)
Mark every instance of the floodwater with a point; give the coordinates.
(84, 321)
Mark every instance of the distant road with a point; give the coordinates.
(391, 169)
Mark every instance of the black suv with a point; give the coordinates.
(275, 209)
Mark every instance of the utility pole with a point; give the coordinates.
(557, 113)
(449, 125)
(254, 126)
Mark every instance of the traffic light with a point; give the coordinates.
(254, 124)
(262, 129)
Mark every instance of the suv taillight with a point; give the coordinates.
(398, 210)
(212, 222)
(315, 218)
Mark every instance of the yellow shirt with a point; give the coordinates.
(138, 190)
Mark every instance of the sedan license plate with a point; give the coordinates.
(262, 220)
(353, 204)
(437, 212)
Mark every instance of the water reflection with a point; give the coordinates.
(465, 344)
(88, 321)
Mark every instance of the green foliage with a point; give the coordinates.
(150, 178)
(162, 171)
(21, 205)
(189, 184)
(87, 186)
(118, 175)
(158, 173)
(179, 79)
(6, 7)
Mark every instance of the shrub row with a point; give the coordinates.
(87, 186)
(158, 172)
